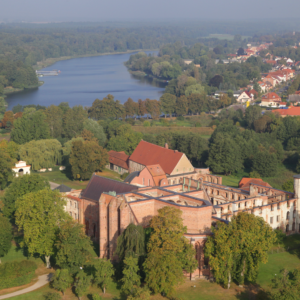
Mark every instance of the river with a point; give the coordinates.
(82, 80)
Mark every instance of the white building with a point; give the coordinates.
(21, 168)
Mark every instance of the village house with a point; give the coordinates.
(244, 97)
(118, 162)
(295, 98)
(270, 100)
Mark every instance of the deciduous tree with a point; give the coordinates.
(38, 214)
(73, 246)
(166, 249)
(61, 280)
(82, 283)
(6, 175)
(19, 187)
(54, 118)
(32, 126)
(104, 271)
(96, 129)
(73, 121)
(168, 103)
(181, 106)
(130, 277)
(86, 158)
(5, 236)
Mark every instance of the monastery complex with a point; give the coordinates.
(160, 177)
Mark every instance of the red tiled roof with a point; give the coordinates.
(157, 173)
(149, 154)
(119, 159)
(297, 93)
(291, 111)
(254, 92)
(270, 96)
(245, 182)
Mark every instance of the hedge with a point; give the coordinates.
(16, 273)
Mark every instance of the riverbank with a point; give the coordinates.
(10, 90)
(50, 61)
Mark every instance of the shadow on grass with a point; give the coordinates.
(252, 292)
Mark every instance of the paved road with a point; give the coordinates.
(53, 185)
(42, 280)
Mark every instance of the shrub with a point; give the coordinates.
(124, 175)
(198, 124)
(16, 273)
(52, 296)
(180, 118)
(131, 121)
(164, 122)
(146, 124)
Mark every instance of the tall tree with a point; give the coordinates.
(153, 108)
(6, 175)
(41, 154)
(61, 280)
(235, 250)
(142, 110)
(167, 103)
(131, 242)
(32, 126)
(82, 283)
(130, 277)
(131, 108)
(96, 129)
(181, 106)
(73, 121)
(8, 119)
(86, 158)
(73, 246)
(166, 247)
(103, 273)
(19, 187)
(224, 155)
(126, 139)
(5, 236)
(54, 118)
(38, 214)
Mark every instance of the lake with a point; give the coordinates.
(82, 80)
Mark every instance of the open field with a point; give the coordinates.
(63, 177)
(283, 174)
(206, 131)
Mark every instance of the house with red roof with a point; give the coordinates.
(271, 100)
(246, 182)
(175, 164)
(118, 162)
(244, 97)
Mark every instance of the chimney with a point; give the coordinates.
(175, 151)
(166, 146)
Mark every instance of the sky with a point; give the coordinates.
(137, 10)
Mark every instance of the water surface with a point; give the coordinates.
(82, 80)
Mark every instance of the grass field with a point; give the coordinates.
(62, 177)
(283, 174)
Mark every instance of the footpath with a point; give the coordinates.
(42, 280)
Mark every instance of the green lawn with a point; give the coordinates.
(16, 254)
(62, 177)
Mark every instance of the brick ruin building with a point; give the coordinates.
(106, 207)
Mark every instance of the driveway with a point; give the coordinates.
(42, 280)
